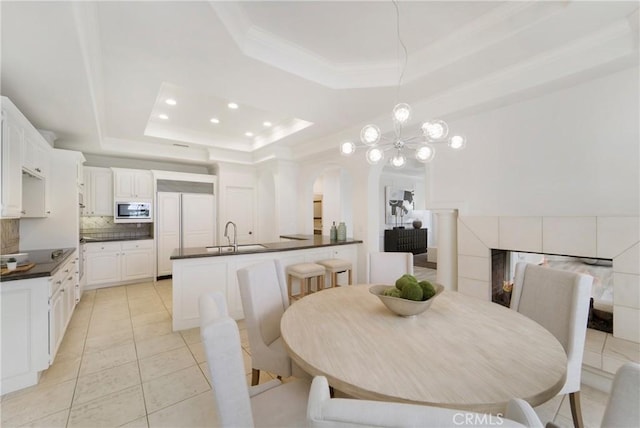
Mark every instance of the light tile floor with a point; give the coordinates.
(120, 364)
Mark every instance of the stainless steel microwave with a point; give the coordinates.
(132, 212)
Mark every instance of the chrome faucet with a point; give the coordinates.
(235, 235)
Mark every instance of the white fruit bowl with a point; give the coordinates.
(404, 307)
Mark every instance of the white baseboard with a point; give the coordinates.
(596, 379)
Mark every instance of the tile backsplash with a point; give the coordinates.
(10, 236)
(104, 227)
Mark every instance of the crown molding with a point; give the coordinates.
(281, 53)
(85, 15)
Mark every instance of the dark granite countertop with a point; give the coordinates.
(87, 239)
(298, 242)
(46, 265)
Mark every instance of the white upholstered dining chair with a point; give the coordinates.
(324, 412)
(559, 301)
(264, 296)
(386, 268)
(271, 404)
(623, 408)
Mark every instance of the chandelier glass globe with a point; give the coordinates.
(401, 113)
(425, 153)
(398, 160)
(370, 135)
(457, 142)
(374, 155)
(347, 148)
(435, 130)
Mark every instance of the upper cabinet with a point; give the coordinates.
(26, 164)
(35, 155)
(98, 192)
(132, 183)
(12, 142)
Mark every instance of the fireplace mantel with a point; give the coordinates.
(611, 237)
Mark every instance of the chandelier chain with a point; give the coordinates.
(402, 65)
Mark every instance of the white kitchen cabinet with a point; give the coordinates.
(56, 319)
(137, 260)
(132, 183)
(195, 276)
(118, 262)
(34, 204)
(102, 262)
(25, 332)
(35, 315)
(26, 166)
(62, 299)
(98, 192)
(35, 154)
(12, 142)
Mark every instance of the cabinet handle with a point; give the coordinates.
(70, 278)
(58, 282)
(48, 212)
(38, 170)
(66, 271)
(62, 291)
(23, 212)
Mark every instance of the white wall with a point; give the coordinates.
(571, 152)
(266, 207)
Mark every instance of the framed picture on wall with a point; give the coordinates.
(399, 205)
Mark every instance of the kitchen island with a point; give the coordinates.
(203, 269)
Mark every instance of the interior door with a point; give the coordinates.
(240, 210)
(168, 224)
(198, 220)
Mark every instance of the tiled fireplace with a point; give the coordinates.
(616, 238)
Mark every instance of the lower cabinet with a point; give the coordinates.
(61, 303)
(35, 315)
(118, 261)
(195, 276)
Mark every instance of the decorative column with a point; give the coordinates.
(447, 272)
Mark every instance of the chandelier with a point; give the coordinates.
(433, 132)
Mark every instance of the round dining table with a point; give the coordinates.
(461, 353)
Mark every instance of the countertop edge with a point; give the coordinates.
(100, 240)
(274, 247)
(43, 274)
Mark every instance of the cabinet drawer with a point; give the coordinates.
(146, 244)
(99, 247)
(58, 279)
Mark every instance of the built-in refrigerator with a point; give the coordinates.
(184, 219)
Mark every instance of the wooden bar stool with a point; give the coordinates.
(336, 266)
(304, 272)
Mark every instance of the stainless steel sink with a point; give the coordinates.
(241, 248)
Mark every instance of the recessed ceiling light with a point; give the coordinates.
(214, 120)
(232, 106)
(163, 116)
(249, 134)
(170, 101)
(267, 124)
